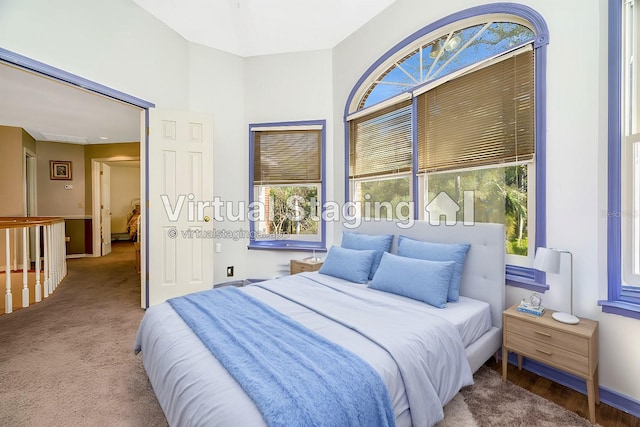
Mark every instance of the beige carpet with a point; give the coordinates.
(68, 361)
(490, 402)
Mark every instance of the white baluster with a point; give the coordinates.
(55, 254)
(58, 241)
(52, 263)
(64, 249)
(25, 268)
(47, 260)
(38, 288)
(58, 253)
(8, 299)
(15, 250)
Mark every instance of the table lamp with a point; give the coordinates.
(548, 260)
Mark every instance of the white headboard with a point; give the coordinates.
(483, 273)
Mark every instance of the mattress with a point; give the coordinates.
(472, 317)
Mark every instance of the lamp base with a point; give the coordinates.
(565, 318)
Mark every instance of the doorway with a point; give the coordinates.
(22, 75)
(116, 200)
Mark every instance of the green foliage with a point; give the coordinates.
(380, 198)
(500, 196)
(293, 210)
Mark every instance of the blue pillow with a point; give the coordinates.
(456, 252)
(426, 281)
(348, 264)
(359, 241)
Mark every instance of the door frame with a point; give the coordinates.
(30, 186)
(96, 195)
(30, 191)
(31, 65)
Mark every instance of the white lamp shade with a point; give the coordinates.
(547, 260)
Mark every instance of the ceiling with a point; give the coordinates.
(53, 111)
(264, 27)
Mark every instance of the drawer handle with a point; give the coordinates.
(543, 333)
(548, 353)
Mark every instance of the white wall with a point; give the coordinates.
(53, 198)
(284, 88)
(115, 43)
(576, 126)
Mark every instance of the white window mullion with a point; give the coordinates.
(630, 215)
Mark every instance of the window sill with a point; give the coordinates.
(521, 282)
(525, 278)
(620, 308)
(288, 246)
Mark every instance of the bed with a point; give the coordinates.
(133, 223)
(419, 375)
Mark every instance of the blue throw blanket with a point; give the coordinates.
(294, 376)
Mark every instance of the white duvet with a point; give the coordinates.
(419, 356)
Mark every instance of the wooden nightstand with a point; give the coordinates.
(302, 265)
(571, 348)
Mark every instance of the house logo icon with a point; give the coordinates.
(444, 206)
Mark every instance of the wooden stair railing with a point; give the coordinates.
(54, 255)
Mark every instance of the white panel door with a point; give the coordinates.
(180, 240)
(105, 208)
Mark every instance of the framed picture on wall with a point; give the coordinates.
(60, 169)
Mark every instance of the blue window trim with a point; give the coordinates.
(290, 244)
(523, 277)
(619, 301)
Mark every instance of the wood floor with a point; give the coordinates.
(606, 415)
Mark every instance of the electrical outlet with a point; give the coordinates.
(230, 271)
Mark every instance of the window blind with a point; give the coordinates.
(482, 118)
(287, 157)
(380, 143)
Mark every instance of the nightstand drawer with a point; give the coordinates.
(544, 334)
(307, 267)
(301, 266)
(546, 353)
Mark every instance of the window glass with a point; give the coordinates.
(288, 211)
(498, 195)
(384, 198)
(443, 56)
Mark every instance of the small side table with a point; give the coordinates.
(302, 265)
(571, 348)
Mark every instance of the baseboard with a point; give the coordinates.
(78, 256)
(610, 397)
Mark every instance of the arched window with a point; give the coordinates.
(449, 123)
(435, 59)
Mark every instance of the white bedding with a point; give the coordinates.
(194, 389)
(472, 317)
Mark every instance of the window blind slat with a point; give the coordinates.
(287, 157)
(486, 117)
(380, 143)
